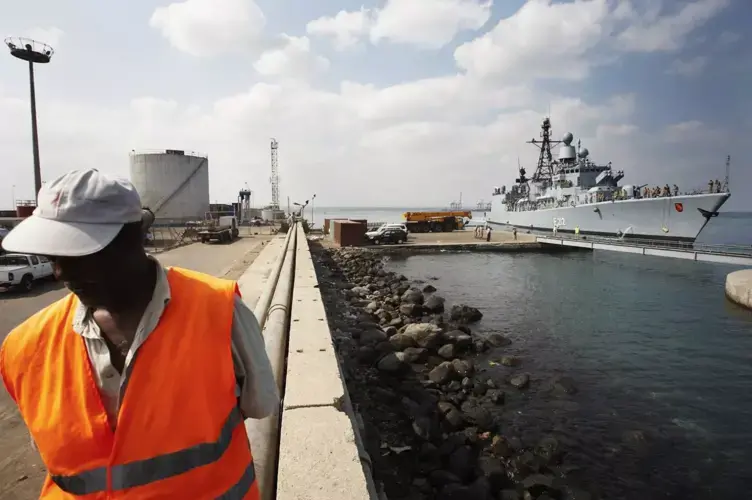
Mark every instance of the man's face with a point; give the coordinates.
(98, 280)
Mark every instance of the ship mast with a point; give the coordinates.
(544, 172)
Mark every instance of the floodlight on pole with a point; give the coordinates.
(32, 52)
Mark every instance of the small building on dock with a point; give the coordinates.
(349, 233)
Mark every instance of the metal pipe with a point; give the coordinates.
(262, 306)
(34, 134)
(264, 433)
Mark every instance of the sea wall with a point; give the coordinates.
(430, 412)
(739, 287)
(320, 452)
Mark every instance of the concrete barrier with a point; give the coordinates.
(262, 307)
(264, 433)
(259, 274)
(739, 287)
(321, 456)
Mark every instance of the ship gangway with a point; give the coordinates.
(739, 255)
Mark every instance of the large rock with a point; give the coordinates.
(447, 351)
(465, 314)
(434, 304)
(452, 415)
(443, 373)
(402, 341)
(425, 335)
(372, 336)
(412, 296)
(411, 310)
(463, 367)
(393, 362)
(497, 340)
(520, 381)
(415, 355)
(459, 338)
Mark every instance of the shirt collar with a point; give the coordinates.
(159, 299)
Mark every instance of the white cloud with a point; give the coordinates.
(418, 142)
(653, 32)
(566, 40)
(610, 131)
(209, 27)
(428, 23)
(691, 131)
(345, 28)
(689, 67)
(729, 38)
(293, 59)
(541, 40)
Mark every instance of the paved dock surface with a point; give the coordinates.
(21, 470)
(739, 287)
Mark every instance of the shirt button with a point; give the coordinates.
(109, 374)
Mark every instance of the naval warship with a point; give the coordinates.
(572, 194)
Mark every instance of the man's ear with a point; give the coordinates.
(147, 219)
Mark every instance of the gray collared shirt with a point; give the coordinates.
(256, 388)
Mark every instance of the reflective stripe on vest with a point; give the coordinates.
(153, 469)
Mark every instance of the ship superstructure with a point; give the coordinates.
(571, 193)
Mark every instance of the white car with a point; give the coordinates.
(21, 271)
(384, 227)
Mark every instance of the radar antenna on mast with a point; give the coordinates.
(274, 179)
(544, 171)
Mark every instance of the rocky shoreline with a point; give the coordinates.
(430, 415)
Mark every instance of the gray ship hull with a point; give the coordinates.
(678, 218)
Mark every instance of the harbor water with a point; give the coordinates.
(661, 360)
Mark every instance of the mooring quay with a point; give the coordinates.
(722, 254)
(311, 449)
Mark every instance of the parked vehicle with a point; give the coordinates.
(3, 233)
(436, 222)
(225, 229)
(387, 235)
(397, 225)
(22, 271)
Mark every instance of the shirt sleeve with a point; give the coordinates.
(258, 395)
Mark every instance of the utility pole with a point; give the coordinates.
(32, 52)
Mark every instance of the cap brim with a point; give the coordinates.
(39, 236)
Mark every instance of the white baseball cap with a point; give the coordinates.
(77, 214)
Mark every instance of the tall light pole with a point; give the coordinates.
(32, 52)
(313, 200)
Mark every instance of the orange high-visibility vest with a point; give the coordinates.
(179, 431)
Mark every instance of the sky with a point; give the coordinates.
(381, 103)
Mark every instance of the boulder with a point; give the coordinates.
(412, 296)
(465, 314)
(443, 373)
(434, 304)
(393, 362)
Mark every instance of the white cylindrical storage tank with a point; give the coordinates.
(268, 214)
(173, 183)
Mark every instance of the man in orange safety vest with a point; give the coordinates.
(136, 384)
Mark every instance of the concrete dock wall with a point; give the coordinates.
(321, 456)
(311, 448)
(739, 287)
